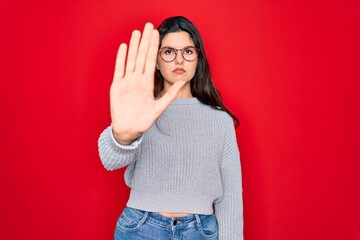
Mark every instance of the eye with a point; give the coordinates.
(168, 51)
(189, 50)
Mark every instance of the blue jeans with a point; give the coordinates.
(134, 224)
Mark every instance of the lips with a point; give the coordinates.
(178, 70)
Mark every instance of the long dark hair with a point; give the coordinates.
(201, 85)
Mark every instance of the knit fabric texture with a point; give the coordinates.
(187, 162)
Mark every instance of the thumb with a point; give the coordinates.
(170, 95)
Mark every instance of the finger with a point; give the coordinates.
(120, 62)
(169, 96)
(133, 48)
(152, 53)
(143, 48)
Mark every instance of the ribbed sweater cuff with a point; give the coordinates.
(133, 145)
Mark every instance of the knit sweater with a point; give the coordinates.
(188, 161)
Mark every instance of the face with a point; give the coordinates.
(179, 68)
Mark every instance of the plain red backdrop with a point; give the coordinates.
(289, 70)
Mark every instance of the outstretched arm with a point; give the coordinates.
(132, 103)
(133, 106)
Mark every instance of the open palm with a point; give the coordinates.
(132, 104)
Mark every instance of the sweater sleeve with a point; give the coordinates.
(229, 209)
(114, 155)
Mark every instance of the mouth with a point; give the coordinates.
(179, 70)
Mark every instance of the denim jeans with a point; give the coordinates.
(134, 224)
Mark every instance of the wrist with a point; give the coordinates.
(125, 138)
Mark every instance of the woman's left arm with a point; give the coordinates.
(229, 210)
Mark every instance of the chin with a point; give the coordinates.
(172, 81)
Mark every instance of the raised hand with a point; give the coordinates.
(132, 104)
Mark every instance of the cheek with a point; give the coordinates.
(163, 67)
(164, 71)
(193, 67)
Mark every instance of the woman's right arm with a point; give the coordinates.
(133, 106)
(114, 155)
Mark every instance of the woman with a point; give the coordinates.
(176, 138)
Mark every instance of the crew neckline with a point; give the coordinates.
(185, 101)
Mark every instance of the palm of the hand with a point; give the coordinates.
(133, 106)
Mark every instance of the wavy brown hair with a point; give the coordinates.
(201, 84)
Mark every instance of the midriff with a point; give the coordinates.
(169, 214)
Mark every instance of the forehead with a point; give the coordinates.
(177, 40)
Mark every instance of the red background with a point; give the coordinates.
(288, 69)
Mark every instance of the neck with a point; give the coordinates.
(185, 91)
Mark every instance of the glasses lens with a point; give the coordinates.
(168, 54)
(190, 53)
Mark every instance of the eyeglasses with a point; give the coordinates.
(169, 54)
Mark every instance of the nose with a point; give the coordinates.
(179, 60)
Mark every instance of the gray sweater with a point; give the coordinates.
(187, 161)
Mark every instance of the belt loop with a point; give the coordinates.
(198, 221)
(143, 219)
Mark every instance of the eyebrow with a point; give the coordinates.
(177, 48)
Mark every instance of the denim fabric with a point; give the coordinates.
(134, 224)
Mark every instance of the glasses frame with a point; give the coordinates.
(182, 53)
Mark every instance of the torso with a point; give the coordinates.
(169, 214)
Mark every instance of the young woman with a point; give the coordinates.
(176, 137)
